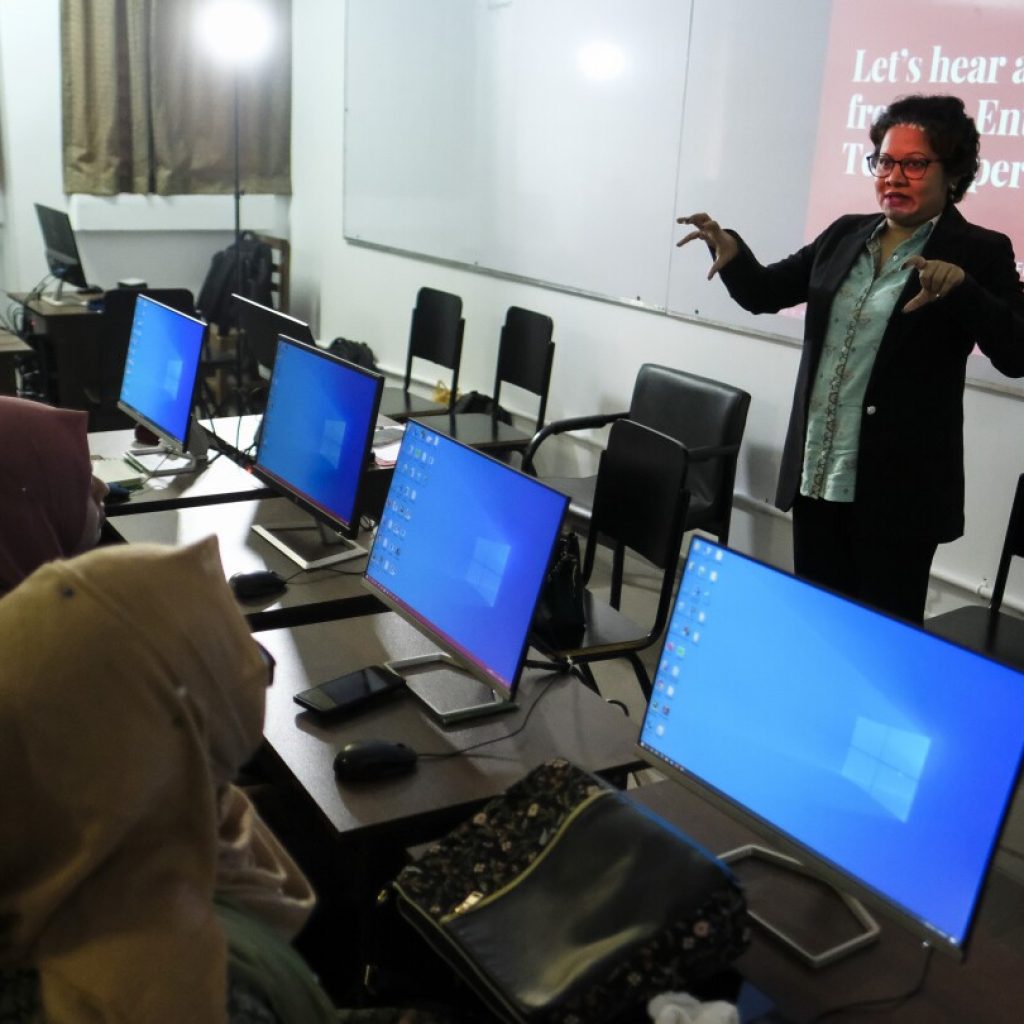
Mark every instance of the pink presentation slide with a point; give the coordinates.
(878, 51)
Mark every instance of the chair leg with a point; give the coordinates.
(641, 674)
(618, 569)
(582, 669)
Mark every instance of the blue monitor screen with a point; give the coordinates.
(880, 749)
(161, 366)
(462, 549)
(317, 428)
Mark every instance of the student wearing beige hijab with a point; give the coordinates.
(51, 507)
(131, 692)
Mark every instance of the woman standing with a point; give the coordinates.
(872, 465)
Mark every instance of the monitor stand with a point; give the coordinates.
(159, 460)
(58, 298)
(809, 915)
(450, 693)
(156, 460)
(310, 545)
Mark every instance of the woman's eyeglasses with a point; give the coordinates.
(913, 167)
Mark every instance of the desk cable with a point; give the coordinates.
(882, 1002)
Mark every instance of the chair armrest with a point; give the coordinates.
(714, 451)
(563, 427)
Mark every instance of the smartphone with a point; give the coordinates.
(351, 691)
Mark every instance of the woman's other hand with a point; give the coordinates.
(724, 246)
(937, 279)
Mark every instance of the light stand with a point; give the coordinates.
(237, 33)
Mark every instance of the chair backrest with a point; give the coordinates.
(640, 501)
(702, 413)
(281, 260)
(1013, 544)
(525, 355)
(435, 333)
(118, 309)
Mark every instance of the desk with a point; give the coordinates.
(11, 346)
(219, 481)
(988, 987)
(570, 721)
(966, 625)
(68, 340)
(310, 597)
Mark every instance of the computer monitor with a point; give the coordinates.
(461, 553)
(880, 756)
(61, 248)
(315, 448)
(158, 387)
(263, 326)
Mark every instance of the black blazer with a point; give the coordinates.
(910, 468)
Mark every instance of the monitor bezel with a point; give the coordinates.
(449, 646)
(812, 860)
(170, 441)
(65, 266)
(295, 326)
(300, 498)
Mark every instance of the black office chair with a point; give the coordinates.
(989, 630)
(435, 335)
(118, 310)
(707, 416)
(525, 355)
(640, 502)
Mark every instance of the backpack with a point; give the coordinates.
(475, 401)
(257, 270)
(357, 352)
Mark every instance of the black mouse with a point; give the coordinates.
(370, 760)
(116, 494)
(249, 586)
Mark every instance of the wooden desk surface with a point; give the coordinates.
(221, 480)
(988, 987)
(970, 626)
(310, 597)
(72, 304)
(11, 344)
(569, 721)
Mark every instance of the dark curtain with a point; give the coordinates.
(148, 108)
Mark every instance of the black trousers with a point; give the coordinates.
(835, 545)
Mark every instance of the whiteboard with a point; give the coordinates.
(748, 142)
(537, 138)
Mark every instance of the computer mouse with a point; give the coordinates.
(371, 760)
(116, 494)
(249, 586)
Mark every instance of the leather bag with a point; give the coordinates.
(562, 900)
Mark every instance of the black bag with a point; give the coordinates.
(357, 352)
(562, 900)
(253, 279)
(559, 620)
(474, 401)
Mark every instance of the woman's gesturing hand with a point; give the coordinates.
(723, 245)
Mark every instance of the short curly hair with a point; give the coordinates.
(951, 132)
